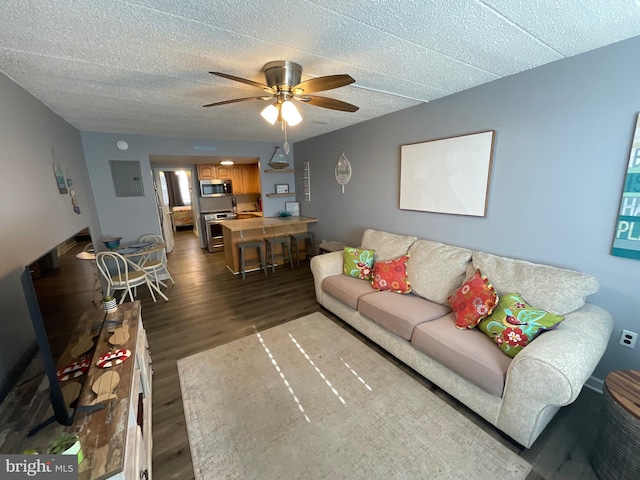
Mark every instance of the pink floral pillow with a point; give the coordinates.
(391, 275)
(473, 301)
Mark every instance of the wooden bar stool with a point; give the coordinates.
(244, 261)
(270, 248)
(296, 238)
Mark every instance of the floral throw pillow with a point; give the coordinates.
(514, 324)
(391, 275)
(358, 262)
(473, 301)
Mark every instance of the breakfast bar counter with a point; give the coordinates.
(243, 230)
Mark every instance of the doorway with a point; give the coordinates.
(175, 199)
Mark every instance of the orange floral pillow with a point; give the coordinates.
(473, 301)
(391, 275)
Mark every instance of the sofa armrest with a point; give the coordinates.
(551, 371)
(323, 266)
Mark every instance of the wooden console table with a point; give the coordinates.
(116, 440)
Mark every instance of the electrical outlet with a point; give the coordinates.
(628, 339)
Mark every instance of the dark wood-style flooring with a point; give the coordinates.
(209, 307)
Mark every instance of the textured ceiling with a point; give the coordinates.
(141, 66)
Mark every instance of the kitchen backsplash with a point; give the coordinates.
(244, 202)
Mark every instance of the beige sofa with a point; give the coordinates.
(520, 395)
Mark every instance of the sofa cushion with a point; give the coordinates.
(358, 263)
(473, 301)
(400, 313)
(346, 289)
(435, 270)
(386, 245)
(391, 275)
(514, 324)
(553, 289)
(468, 353)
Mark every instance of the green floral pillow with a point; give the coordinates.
(358, 263)
(514, 324)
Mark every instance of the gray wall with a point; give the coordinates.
(34, 216)
(563, 136)
(130, 217)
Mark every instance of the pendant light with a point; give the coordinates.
(285, 111)
(270, 114)
(290, 113)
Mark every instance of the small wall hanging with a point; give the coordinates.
(72, 194)
(343, 171)
(57, 171)
(626, 242)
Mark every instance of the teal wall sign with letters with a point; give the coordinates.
(626, 242)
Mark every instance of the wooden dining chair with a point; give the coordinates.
(122, 275)
(156, 262)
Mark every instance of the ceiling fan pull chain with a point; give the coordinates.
(285, 145)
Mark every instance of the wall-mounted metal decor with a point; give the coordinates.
(449, 175)
(626, 242)
(343, 171)
(305, 181)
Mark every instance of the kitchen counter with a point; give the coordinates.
(236, 225)
(253, 214)
(259, 228)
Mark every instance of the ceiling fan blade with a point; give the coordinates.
(325, 102)
(321, 84)
(236, 100)
(244, 80)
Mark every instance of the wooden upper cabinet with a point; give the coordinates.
(246, 179)
(206, 172)
(251, 178)
(224, 172)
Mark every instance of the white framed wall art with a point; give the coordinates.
(449, 175)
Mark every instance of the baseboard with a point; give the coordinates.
(595, 384)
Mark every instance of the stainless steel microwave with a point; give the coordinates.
(215, 188)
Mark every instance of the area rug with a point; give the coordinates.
(308, 400)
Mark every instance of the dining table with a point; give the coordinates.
(142, 250)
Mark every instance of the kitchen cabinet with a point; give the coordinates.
(224, 172)
(247, 178)
(206, 172)
(244, 178)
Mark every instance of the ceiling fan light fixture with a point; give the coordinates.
(270, 114)
(290, 113)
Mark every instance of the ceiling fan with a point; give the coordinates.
(283, 85)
